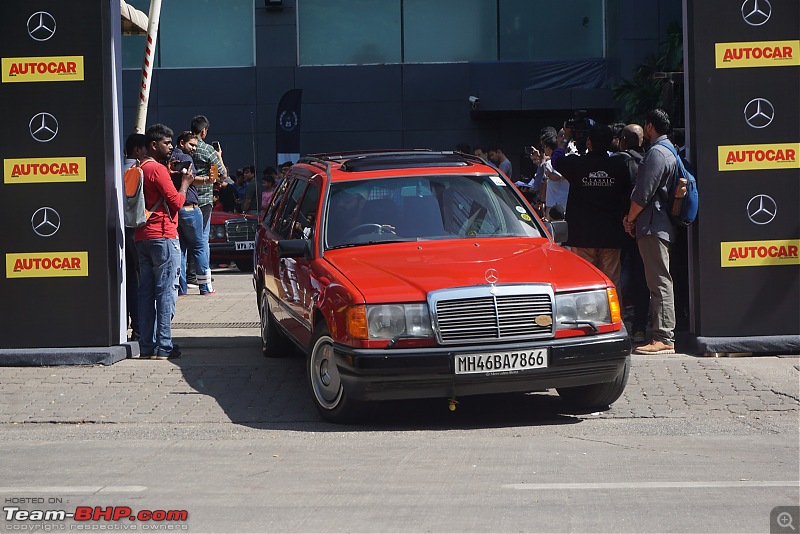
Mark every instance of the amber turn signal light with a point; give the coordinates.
(613, 304)
(357, 322)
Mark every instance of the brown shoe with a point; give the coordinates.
(655, 347)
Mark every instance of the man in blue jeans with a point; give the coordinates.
(190, 218)
(158, 248)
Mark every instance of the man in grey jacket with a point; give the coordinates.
(648, 220)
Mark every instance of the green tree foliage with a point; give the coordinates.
(643, 92)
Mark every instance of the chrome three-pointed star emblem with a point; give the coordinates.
(491, 276)
(41, 26)
(756, 12)
(45, 222)
(759, 113)
(762, 209)
(43, 127)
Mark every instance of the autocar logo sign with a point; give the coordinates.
(45, 222)
(761, 209)
(491, 276)
(43, 127)
(288, 120)
(41, 26)
(759, 113)
(756, 12)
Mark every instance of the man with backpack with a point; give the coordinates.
(158, 247)
(649, 221)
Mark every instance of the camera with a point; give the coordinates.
(528, 151)
(216, 145)
(580, 125)
(474, 101)
(181, 166)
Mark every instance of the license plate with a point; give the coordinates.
(245, 245)
(501, 362)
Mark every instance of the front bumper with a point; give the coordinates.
(385, 374)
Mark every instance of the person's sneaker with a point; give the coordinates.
(191, 285)
(171, 356)
(655, 347)
(639, 338)
(212, 292)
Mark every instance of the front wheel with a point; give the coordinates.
(327, 389)
(597, 396)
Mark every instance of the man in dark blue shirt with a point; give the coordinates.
(190, 218)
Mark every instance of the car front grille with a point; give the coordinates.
(493, 313)
(241, 229)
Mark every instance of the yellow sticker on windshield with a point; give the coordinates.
(526, 217)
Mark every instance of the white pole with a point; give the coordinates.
(147, 64)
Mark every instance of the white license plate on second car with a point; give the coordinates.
(245, 245)
(500, 362)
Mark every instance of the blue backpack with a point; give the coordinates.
(683, 196)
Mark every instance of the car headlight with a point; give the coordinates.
(388, 321)
(218, 232)
(587, 308)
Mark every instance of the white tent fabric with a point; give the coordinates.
(134, 22)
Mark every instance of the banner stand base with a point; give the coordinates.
(68, 356)
(751, 345)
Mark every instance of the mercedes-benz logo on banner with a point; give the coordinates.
(45, 222)
(756, 12)
(43, 127)
(761, 209)
(41, 26)
(759, 113)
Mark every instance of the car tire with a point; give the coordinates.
(245, 266)
(597, 396)
(273, 342)
(327, 389)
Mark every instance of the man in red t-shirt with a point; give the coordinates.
(158, 248)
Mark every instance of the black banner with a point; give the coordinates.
(61, 280)
(744, 81)
(287, 123)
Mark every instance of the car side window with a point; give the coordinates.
(307, 214)
(277, 198)
(283, 224)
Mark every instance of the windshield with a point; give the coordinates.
(421, 208)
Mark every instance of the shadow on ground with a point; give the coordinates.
(272, 393)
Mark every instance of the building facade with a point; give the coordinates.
(390, 73)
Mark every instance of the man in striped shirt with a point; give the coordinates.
(204, 158)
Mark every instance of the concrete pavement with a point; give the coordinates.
(223, 378)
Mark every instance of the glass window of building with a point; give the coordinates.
(449, 31)
(349, 32)
(197, 33)
(532, 30)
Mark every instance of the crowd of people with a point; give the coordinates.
(611, 183)
(184, 179)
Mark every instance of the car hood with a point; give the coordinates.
(407, 272)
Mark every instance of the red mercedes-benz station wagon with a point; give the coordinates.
(422, 274)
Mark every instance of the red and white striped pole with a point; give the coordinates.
(147, 64)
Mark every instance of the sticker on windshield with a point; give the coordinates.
(526, 217)
(520, 209)
(498, 181)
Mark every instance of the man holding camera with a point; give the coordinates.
(158, 248)
(599, 189)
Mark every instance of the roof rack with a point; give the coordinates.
(311, 160)
(401, 159)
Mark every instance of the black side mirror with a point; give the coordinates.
(558, 229)
(294, 248)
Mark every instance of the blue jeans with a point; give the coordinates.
(190, 230)
(159, 266)
(206, 211)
